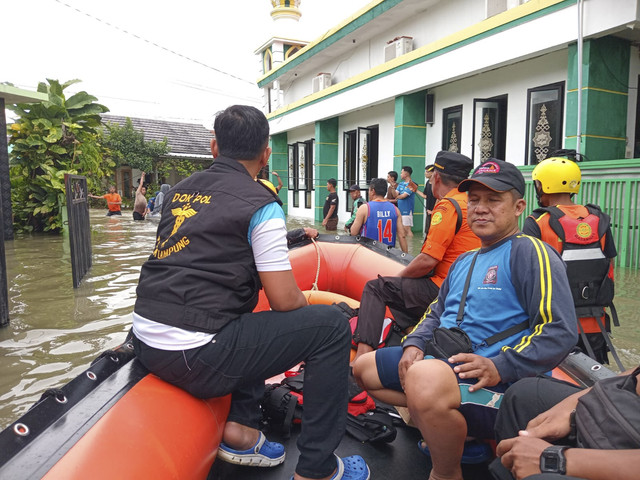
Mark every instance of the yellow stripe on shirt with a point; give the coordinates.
(545, 293)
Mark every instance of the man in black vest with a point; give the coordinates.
(221, 238)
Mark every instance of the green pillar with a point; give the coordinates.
(326, 160)
(279, 162)
(409, 145)
(605, 78)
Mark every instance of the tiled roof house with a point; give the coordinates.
(186, 140)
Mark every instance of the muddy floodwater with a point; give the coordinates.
(56, 330)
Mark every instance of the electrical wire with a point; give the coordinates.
(154, 44)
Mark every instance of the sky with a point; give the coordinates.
(162, 59)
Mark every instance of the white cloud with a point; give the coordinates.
(52, 39)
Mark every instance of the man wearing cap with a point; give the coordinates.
(354, 192)
(409, 294)
(511, 299)
(379, 219)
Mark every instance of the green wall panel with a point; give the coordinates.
(279, 162)
(409, 144)
(605, 70)
(325, 159)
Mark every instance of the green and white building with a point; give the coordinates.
(403, 79)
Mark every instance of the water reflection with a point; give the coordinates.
(56, 331)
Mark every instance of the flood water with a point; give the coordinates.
(56, 330)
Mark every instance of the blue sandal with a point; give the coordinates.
(263, 454)
(474, 451)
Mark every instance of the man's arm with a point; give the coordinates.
(96, 196)
(361, 217)
(400, 233)
(521, 456)
(540, 282)
(423, 331)
(282, 291)
(267, 236)
(140, 184)
(419, 266)
(279, 182)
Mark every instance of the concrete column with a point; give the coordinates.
(409, 145)
(605, 77)
(279, 163)
(325, 160)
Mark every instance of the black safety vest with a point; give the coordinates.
(587, 266)
(201, 274)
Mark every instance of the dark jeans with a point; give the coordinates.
(407, 298)
(258, 346)
(138, 216)
(110, 213)
(526, 399)
(523, 401)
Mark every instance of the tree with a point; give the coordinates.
(127, 146)
(50, 139)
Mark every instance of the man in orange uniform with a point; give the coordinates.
(582, 235)
(409, 294)
(113, 201)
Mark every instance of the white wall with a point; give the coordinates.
(513, 81)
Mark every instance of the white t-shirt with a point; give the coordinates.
(268, 239)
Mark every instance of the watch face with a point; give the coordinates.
(551, 463)
(552, 460)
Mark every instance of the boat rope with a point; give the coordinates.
(314, 285)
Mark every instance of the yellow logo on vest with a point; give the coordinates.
(437, 218)
(583, 230)
(181, 213)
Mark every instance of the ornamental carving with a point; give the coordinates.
(453, 139)
(542, 136)
(486, 143)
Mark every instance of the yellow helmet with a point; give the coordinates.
(558, 175)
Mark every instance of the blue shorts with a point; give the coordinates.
(479, 408)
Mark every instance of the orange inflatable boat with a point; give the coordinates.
(118, 421)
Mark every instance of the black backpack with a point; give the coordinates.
(282, 405)
(608, 416)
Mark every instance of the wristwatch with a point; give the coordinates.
(552, 460)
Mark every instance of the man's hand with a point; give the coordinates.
(410, 356)
(475, 366)
(324, 222)
(553, 424)
(521, 455)
(310, 232)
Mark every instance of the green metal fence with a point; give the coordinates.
(614, 185)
